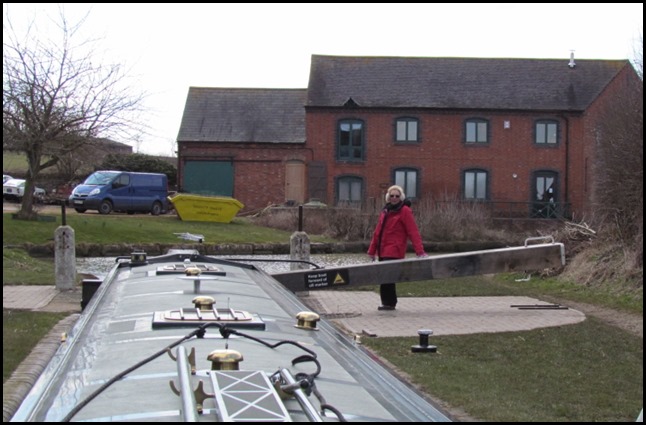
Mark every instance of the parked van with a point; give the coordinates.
(122, 191)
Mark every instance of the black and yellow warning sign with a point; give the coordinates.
(324, 278)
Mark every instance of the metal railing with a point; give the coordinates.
(520, 210)
(497, 209)
(537, 209)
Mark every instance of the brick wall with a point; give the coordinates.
(511, 157)
(259, 169)
(441, 156)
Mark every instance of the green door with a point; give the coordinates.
(208, 178)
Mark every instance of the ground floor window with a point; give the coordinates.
(349, 190)
(407, 179)
(475, 185)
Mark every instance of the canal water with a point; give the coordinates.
(100, 266)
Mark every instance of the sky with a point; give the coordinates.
(168, 48)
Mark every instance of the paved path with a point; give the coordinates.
(356, 311)
(41, 298)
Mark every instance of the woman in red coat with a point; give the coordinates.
(395, 227)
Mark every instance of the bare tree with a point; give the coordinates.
(56, 99)
(620, 167)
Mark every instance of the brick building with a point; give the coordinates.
(517, 134)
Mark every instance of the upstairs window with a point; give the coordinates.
(475, 185)
(407, 130)
(547, 132)
(476, 130)
(350, 146)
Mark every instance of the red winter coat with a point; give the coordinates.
(394, 229)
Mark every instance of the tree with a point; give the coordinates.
(140, 163)
(56, 98)
(620, 167)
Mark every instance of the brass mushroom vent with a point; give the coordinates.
(307, 320)
(193, 271)
(225, 359)
(204, 302)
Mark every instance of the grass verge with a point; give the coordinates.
(587, 372)
(590, 371)
(19, 268)
(506, 284)
(122, 228)
(21, 331)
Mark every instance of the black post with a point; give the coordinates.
(423, 346)
(300, 218)
(63, 213)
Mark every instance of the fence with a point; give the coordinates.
(520, 210)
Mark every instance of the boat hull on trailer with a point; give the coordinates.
(219, 209)
(287, 372)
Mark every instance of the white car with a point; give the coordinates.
(6, 177)
(15, 189)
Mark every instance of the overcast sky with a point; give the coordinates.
(171, 47)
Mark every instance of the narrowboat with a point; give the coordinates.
(187, 337)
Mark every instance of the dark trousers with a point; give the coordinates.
(388, 291)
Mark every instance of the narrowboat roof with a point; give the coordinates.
(146, 305)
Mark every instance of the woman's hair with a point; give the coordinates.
(395, 187)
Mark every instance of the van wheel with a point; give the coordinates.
(105, 207)
(156, 209)
(80, 210)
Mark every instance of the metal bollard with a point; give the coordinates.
(423, 346)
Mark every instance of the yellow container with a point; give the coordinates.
(220, 209)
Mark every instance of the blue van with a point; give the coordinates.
(121, 191)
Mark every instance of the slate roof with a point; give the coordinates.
(243, 115)
(458, 83)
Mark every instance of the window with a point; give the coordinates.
(407, 179)
(349, 190)
(122, 181)
(407, 130)
(545, 186)
(476, 131)
(475, 185)
(350, 146)
(545, 190)
(547, 132)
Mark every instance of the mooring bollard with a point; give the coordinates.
(423, 346)
(299, 245)
(64, 258)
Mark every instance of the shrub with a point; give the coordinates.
(448, 220)
(287, 218)
(351, 224)
(452, 219)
